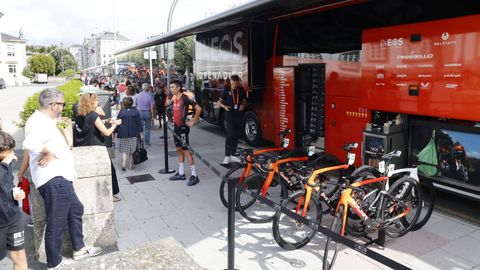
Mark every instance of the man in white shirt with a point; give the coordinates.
(53, 173)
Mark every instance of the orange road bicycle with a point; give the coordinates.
(369, 195)
(291, 234)
(284, 176)
(257, 162)
(392, 206)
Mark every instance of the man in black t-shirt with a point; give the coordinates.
(234, 102)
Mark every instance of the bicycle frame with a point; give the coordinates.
(274, 169)
(346, 200)
(311, 185)
(248, 168)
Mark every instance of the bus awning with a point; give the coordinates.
(244, 13)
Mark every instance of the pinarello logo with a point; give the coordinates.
(445, 35)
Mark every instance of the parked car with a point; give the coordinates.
(3, 85)
(40, 78)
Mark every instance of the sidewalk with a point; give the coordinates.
(195, 217)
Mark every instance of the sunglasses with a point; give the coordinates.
(58, 103)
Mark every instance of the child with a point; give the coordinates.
(12, 235)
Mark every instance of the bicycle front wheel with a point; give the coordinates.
(404, 194)
(234, 173)
(251, 208)
(289, 233)
(331, 247)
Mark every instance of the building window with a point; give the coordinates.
(10, 50)
(12, 68)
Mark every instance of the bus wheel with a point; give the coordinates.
(251, 129)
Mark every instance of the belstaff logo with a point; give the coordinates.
(445, 35)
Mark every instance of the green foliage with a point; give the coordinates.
(70, 91)
(134, 56)
(184, 54)
(69, 73)
(28, 73)
(64, 60)
(42, 63)
(41, 49)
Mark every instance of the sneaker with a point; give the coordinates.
(64, 262)
(235, 159)
(86, 251)
(193, 181)
(30, 224)
(226, 160)
(178, 176)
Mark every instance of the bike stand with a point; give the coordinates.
(379, 241)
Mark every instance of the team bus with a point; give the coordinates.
(391, 74)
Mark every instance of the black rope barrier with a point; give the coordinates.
(361, 248)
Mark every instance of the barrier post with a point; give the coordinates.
(231, 224)
(166, 170)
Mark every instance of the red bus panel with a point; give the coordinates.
(430, 68)
(284, 95)
(345, 121)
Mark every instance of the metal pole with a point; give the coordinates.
(151, 69)
(231, 224)
(115, 68)
(169, 62)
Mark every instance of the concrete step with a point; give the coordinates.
(163, 254)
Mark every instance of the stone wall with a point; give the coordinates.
(94, 189)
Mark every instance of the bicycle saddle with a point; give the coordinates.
(393, 154)
(350, 146)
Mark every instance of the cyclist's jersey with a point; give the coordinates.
(180, 109)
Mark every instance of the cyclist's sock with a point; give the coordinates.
(192, 168)
(181, 168)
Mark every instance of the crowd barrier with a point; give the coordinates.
(361, 248)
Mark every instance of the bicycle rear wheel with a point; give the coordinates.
(331, 247)
(403, 194)
(288, 232)
(251, 208)
(427, 205)
(235, 173)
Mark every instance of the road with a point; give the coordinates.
(12, 100)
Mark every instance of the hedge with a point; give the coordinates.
(70, 91)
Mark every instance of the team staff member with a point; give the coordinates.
(182, 129)
(233, 101)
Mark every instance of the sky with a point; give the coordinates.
(49, 22)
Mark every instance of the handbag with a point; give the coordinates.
(140, 154)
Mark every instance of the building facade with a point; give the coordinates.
(13, 57)
(99, 48)
(76, 50)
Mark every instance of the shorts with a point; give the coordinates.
(182, 132)
(12, 238)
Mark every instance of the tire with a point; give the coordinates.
(252, 131)
(354, 225)
(428, 192)
(331, 247)
(291, 234)
(236, 173)
(252, 209)
(404, 193)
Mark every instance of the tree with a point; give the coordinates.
(42, 63)
(134, 56)
(64, 60)
(184, 54)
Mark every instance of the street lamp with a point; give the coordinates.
(170, 50)
(166, 170)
